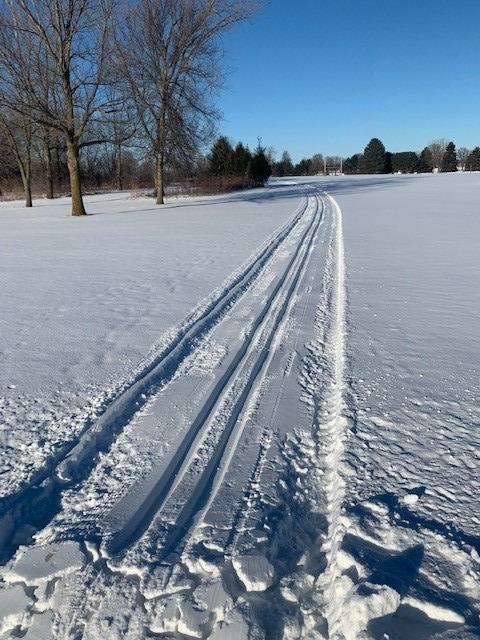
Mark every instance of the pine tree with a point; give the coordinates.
(374, 157)
(405, 162)
(303, 167)
(284, 167)
(425, 164)
(449, 160)
(221, 158)
(472, 163)
(241, 160)
(352, 165)
(388, 164)
(260, 169)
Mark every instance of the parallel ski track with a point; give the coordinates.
(239, 381)
(37, 502)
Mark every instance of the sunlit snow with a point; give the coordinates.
(242, 417)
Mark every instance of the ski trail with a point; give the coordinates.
(260, 377)
(37, 503)
(330, 421)
(219, 415)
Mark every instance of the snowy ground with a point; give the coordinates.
(250, 416)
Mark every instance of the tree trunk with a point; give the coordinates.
(161, 137)
(26, 171)
(58, 167)
(48, 168)
(78, 208)
(119, 168)
(27, 186)
(159, 177)
(28, 192)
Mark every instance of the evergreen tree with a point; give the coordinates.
(303, 167)
(449, 160)
(351, 165)
(284, 167)
(221, 158)
(472, 163)
(388, 166)
(425, 163)
(374, 157)
(241, 160)
(260, 169)
(405, 162)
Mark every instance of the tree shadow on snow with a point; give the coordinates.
(346, 185)
(260, 196)
(277, 189)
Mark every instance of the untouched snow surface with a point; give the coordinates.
(243, 417)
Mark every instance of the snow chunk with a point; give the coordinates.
(36, 565)
(236, 629)
(41, 627)
(254, 572)
(378, 509)
(374, 601)
(410, 499)
(434, 612)
(213, 597)
(13, 602)
(345, 560)
(192, 620)
(166, 616)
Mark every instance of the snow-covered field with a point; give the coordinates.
(243, 417)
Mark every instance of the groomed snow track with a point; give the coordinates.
(37, 503)
(221, 411)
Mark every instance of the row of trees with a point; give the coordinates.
(78, 73)
(307, 166)
(439, 155)
(239, 166)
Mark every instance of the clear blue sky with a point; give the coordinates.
(326, 76)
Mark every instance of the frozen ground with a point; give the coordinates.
(252, 416)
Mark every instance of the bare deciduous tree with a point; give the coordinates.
(18, 133)
(63, 83)
(170, 51)
(316, 166)
(462, 155)
(437, 148)
(8, 166)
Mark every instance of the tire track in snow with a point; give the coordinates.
(36, 504)
(220, 415)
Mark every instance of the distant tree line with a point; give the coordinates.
(439, 155)
(313, 166)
